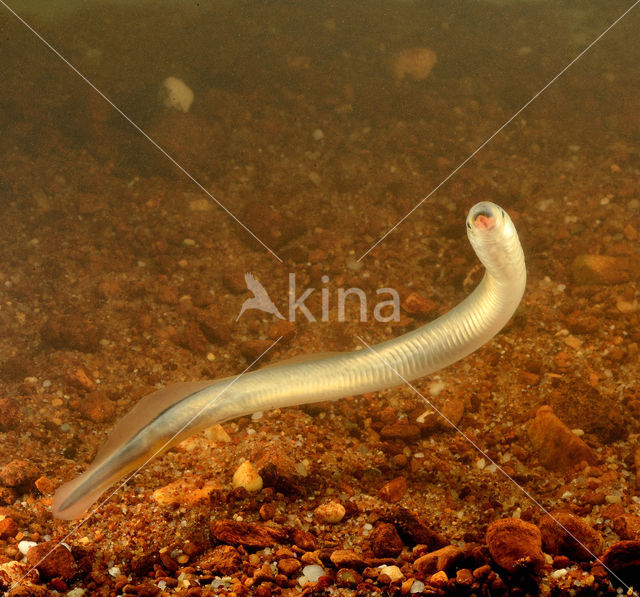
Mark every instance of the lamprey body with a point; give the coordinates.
(165, 418)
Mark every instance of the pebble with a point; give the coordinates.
(415, 63)
(12, 572)
(401, 430)
(217, 434)
(246, 476)
(313, 572)
(330, 513)
(394, 490)
(8, 528)
(604, 269)
(515, 545)
(627, 526)
(279, 470)
(289, 566)
(347, 558)
(558, 541)
(52, 560)
(18, 473)
(555, 445)
(247, 534)
(416, 304)
(413, 530)
(304, 540)
(223, 560)
(445, 559)
(184, 491)
(345, 577)
(200, 205)
(385, 541)
(9, 414)
(95, 406)
(393, 572)
(623, 558)
(25, 546)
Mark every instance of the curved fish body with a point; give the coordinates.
(165, 418)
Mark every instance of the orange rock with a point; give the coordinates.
(604, 269)
(441, 559)
(416, 63)
(394, 490)
(574, 539)
(627, 526)
(52, 560)
(416, 304)
(623, 559)
(556, 445)
(515, 545)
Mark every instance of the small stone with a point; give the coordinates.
(413, 531)
(289, 566)
(217, 434)
(464, 578)
(394, 490)
(577, 540)
(304, 540)
(313, 572)
(623, 559)
(247, 534)
(385, 541)
(627, 526)
(70, 332)
(555, 444)
(9, 414)
(186, 491)
(415, 63)
(393, 572)
(13, 572)
(8, 528)
(253, 349)
(278, 469)
(515, 545)
(439, 579)
(18, 473)
(52, 560)
(201, 205)
(445, 559)
(246, 476)
(223, 560)
(347, 578)
(402, 430)
(330, 513)
(604, 269)
(347, 558)
(95, 406)
(416, 304)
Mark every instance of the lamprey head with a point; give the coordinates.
(495, 240)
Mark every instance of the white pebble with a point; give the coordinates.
(417, 587)
(247, 476)
(25, 546)
(393, 572)
(318, 134)
(559, 573)
(114, 571)
(331, 512)
(176, 94)
(313, 572)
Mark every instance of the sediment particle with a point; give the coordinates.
(247, 534)
(577, 540)
(515, 545)
(556, 446)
